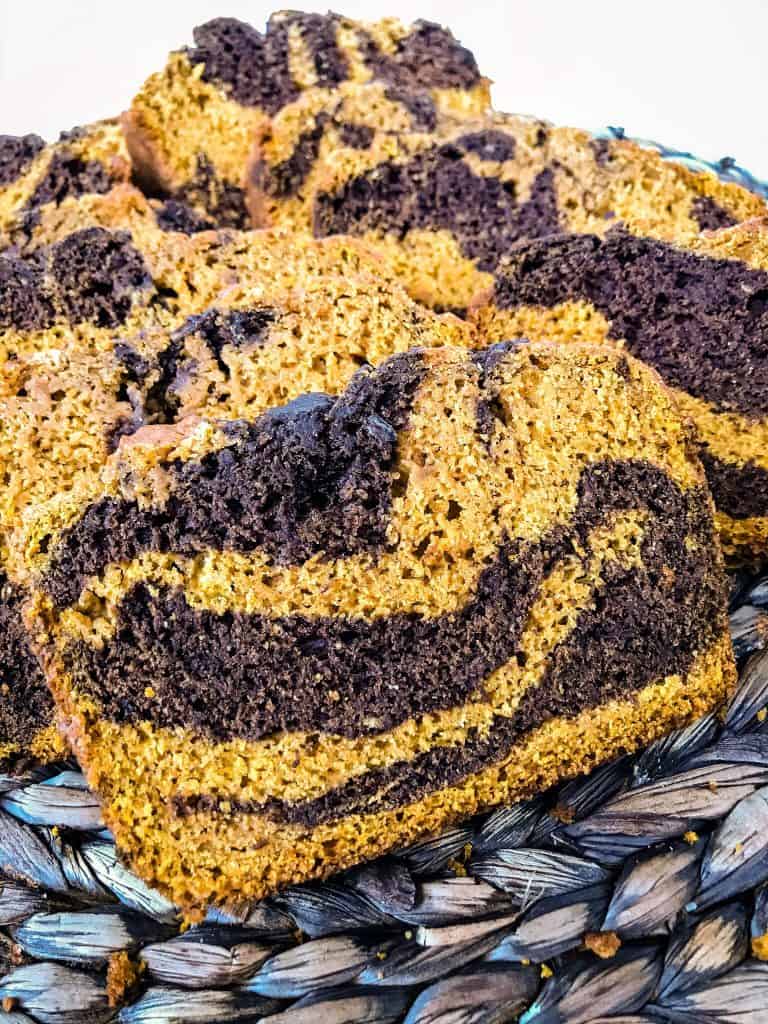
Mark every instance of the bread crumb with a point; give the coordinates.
(123, 975)
(603, 944)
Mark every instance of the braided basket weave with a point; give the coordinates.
(636, 894)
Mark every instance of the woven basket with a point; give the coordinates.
(636, 894)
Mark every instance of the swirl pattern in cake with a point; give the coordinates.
(287, 643)
(696, 311)
(111, 323)
(443, 199)
(192, 126)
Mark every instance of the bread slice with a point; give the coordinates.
(286, 644)
(696, 310)
(110, 323)
(192, 126)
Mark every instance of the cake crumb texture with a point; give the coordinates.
(112, 323)
(358, 447)
(694, 310)
(262, 657)
(445, 199)
(191, 127)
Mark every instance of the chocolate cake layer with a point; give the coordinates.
(173, 215)
(35, 176)
(420, 106)
(69, 175)
(212, 198)
(438, 191)
(255, 68)
(308, 478)
(24, 303)
(286, 178)
(273, 673)
(667, 632)
(710, 215)
(489, 144)
(16, 154)
(426, 57)
(25, 703)
(239, 328)
(92, 275)
(739, 490)
(701, 322)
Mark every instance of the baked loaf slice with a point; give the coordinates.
(287, 644)
(697, 311)
(110, 323)
(60, 305)
(444, 200)
(191, 127)
(35, 177)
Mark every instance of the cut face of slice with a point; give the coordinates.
(192, 126)
(35, 177)
(444, 199)
(696, 311)
(287, 644)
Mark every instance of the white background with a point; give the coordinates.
(691, 73)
